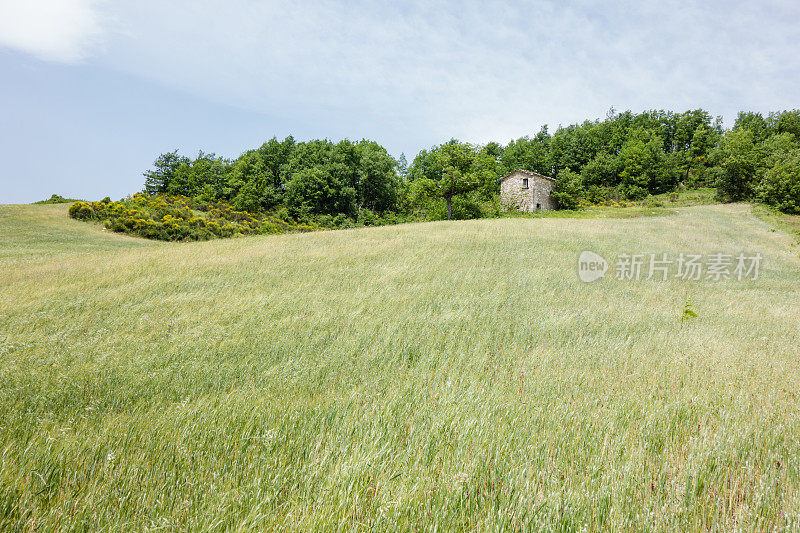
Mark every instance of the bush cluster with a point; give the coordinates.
(56, 199)
(176, 218)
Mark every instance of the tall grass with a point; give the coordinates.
(449, 375)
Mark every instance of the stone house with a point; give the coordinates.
(526, 190)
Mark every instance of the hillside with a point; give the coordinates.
(449, 374)
(34, 231)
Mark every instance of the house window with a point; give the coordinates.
(524, 183)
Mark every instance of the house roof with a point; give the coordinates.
(527, 172)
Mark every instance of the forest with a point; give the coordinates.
(625, 156)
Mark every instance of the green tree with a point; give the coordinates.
(316, 191)
(158, 180)
(463, 170)
(189, 177)
(572, 147)
(568, 190)
(377, 182)
(402, 166)
(528, 154)
(778, 172)
(602, 171)
(697, 156)
(755, 123)
(642, 160)
(426, 165)
(736, 161)
(786, 122)
(780, 186)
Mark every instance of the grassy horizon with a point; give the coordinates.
(448, 375)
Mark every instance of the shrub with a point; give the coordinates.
(176, 218)
(56, 199)
(596, 195)
(88, 210)
(368, 218)
(633, 192)
(81, 211)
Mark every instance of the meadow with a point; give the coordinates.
(443, 375)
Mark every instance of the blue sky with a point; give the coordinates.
(92, 91)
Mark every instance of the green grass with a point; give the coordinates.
(446, 375)
(31, 232)
(686, 198)
(783, 221)
(633, 211)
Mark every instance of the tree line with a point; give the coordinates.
(623, 156)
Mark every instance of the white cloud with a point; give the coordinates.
(54, 30)
(422, 71)
(476, 70)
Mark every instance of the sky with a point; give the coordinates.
(92, 91)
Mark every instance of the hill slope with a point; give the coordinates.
(34, 231)
(456, 374)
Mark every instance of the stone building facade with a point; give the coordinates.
(526, 190)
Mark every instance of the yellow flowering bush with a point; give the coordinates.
(176, 218)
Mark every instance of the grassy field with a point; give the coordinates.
(447, 375)
(33, 232)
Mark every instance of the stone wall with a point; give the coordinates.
(513, 194)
